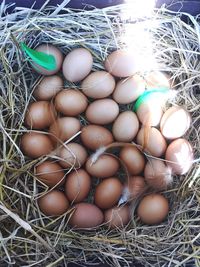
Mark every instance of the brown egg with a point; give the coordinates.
(64, 128)
(35, 145)
(117, 216)
(175, 122)
(49, 50)
(150, 112)
(133, 159)
(129, 89)
(156, 79)
(72, 154)
(77, 185)
(53, 203)
(77, 64)
(48, 87)
(108, 192)
(180, 156)
(153, 209)
(105, 166)
(40, 115)
(95, 136)
(157, 174)
(71, 102)
(136, 186)
(86, 215)
(152, 141)
(122, 63)
(125, 127)
(50, 173)
(102, 111)
(98, 84)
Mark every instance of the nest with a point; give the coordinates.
(29, 239)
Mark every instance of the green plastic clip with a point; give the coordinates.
(42, 59)
(147, 94)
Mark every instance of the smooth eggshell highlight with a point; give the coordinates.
(35, 145)
(53, 203)
(98, 84)
(95, 136)
(105, 166)
(179, 156)
(77, 185)
(129, 89)
(77, 64)
(70, 102)
(152, 141)
(125, 127)
(122, 63)
(50, 173)
(86, 215)
(108, 192)
(72, 155)
(48, 87)
(175, 122)
(102, 111)
(153, 209)
(40, 115)
(132, 159)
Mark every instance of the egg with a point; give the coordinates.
(50, 173)
(152, 141)
(70, 102)
(157, 174)
(86, 215)
(95, 136)
(136, 186)
(175, 122)
(132, 159)
(72, 154)
(129, 89)
(122, 63)
(98, 84)
(102, 111)
(179, 156)
(53, 203)
(105, 166)
(153, 209)
(77, 64)
(40, 115)
(48, 87)
(64, 128)
(108, 192)
(156, 79)
(117, 217)
(125, 127)
(35, 145)
(49, 50)
(77, 185)
(150, 112)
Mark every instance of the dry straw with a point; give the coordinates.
(27, 238)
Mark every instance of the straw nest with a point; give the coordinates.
(29, 239)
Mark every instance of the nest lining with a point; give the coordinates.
(30, 239)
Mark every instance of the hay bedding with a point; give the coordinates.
(29, 239)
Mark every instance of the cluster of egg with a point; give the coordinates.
(67, 125)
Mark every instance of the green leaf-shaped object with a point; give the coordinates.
(42, 59)
(147, 94)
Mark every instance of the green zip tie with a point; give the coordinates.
(147, 94)
(40, 58)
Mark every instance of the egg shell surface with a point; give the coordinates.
(102, 111)
(86, 215)
(77, 185)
